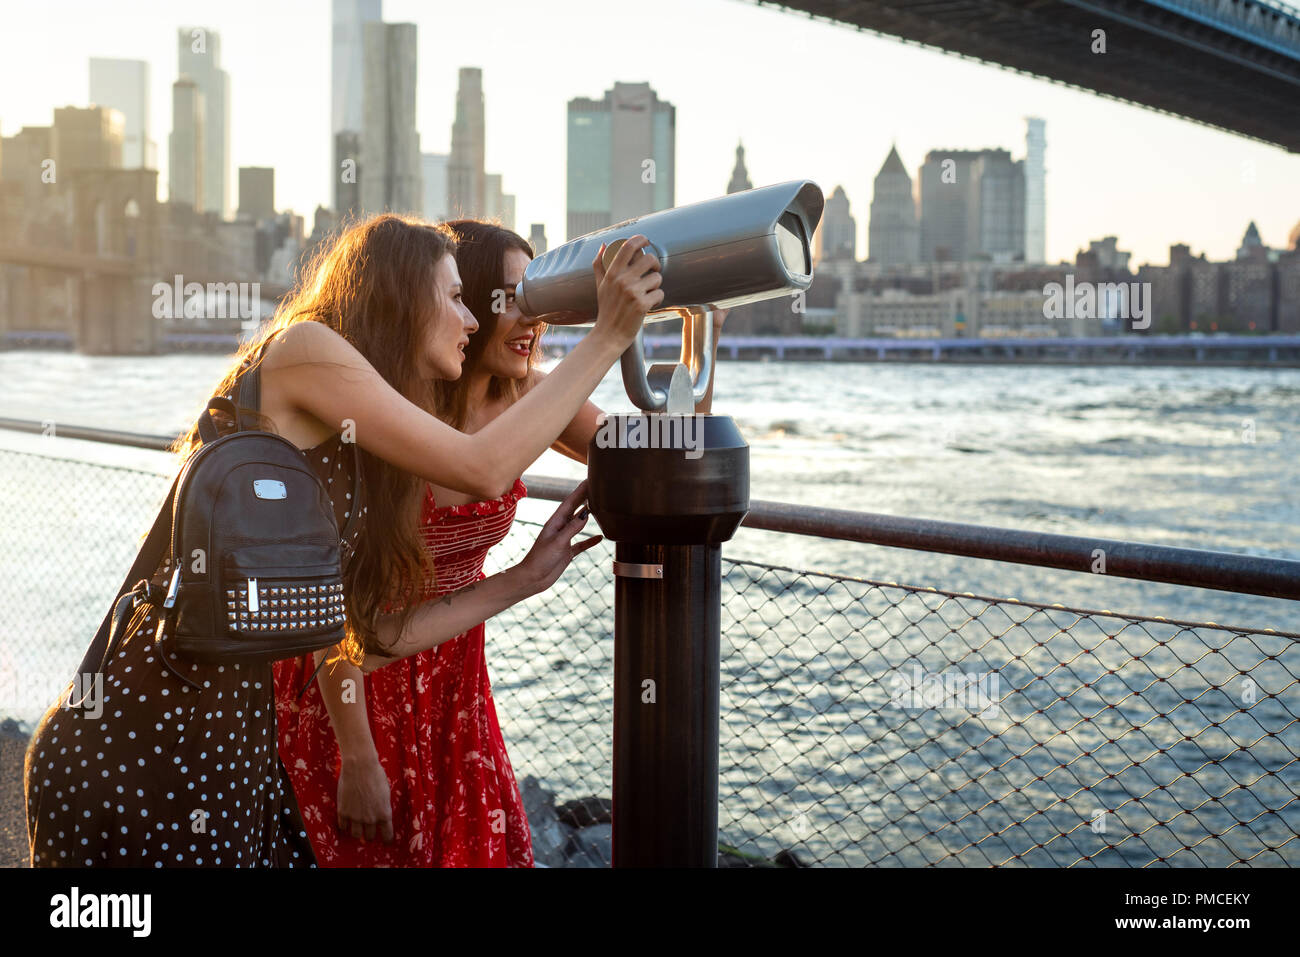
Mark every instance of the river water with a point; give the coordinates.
(1194, 457)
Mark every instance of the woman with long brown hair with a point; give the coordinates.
(169, 775)
(414, 771)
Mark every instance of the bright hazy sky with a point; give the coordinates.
(810, 100)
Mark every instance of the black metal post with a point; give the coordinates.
(666, 689)
(668, 509)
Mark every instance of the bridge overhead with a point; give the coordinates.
(1230, 64)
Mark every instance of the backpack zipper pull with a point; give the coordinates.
(252, 596)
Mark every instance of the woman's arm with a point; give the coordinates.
(316, 371)
(576, 439)
(441, 619)
(365, 806)
(577, 435)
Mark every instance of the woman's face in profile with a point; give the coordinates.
(512, 341)
(450, 324)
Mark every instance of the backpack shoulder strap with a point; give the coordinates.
(248, 394)
(358, 497)
(249, 390)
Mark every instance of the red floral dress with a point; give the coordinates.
(455, 800)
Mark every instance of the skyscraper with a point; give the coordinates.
(346, 66)
(346, 61)
(200, 60)
(621, 157)
(972, 206)
(1035, 190)
(466, 179)
(185, 171)
(433, 167)
(347, 173)
(947, 205)
(892, 233)
(999, 191)
(256, 193)
(390, 146)
(123, 85)
(837, 234)
(739, 175)
(1250, 243)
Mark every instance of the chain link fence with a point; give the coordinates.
(862, 722)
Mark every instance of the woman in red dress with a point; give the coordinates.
(433, 735)
(416, 774)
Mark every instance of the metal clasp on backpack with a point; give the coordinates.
(173, 588)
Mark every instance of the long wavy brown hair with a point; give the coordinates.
(481, 247)
(372, 285)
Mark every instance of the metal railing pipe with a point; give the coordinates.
(1200, 568)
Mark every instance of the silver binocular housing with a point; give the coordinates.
(723, 252)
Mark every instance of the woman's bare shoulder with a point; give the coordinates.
(305, 342)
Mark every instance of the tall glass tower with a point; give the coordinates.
(347, 93)
(199, 50)
(1035, 190)
(621, 157)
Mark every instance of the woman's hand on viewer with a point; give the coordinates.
(626, 290)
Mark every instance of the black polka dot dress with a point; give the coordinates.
(158, 774)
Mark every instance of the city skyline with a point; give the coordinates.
(1152, 180)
